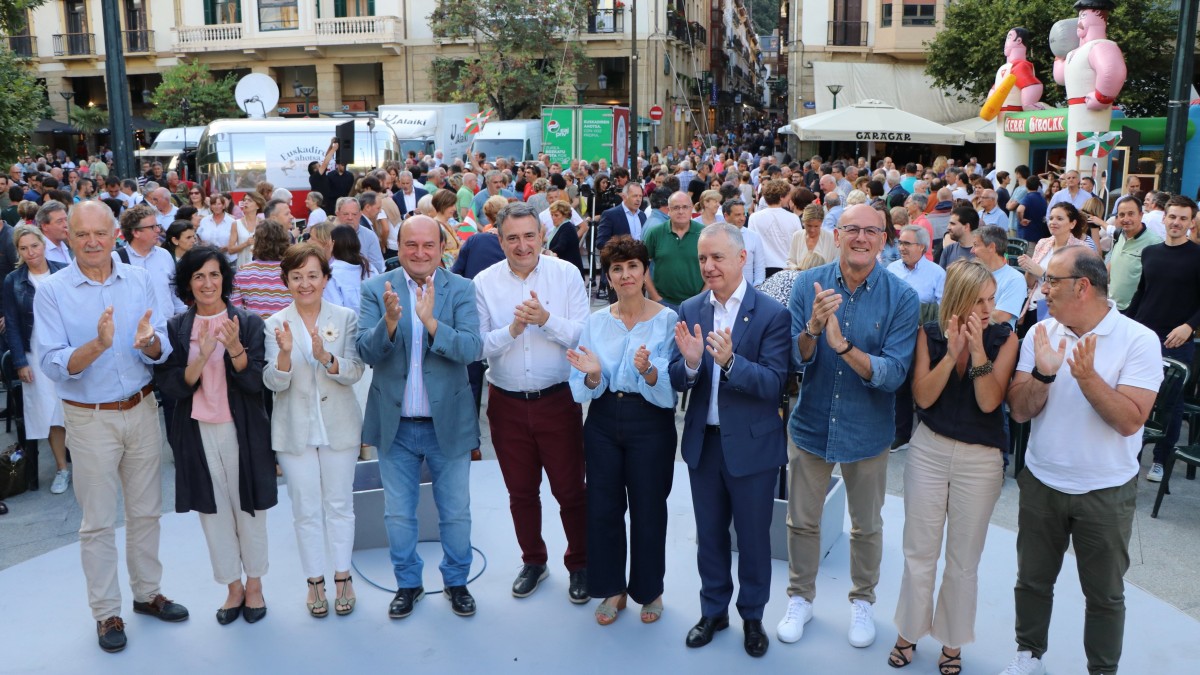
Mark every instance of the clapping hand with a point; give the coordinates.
(974, 334)
(318, 348)
(391, 303)
(825, 305)
(531, 311)
(208, 343)
(1083, 358)
(956, 338)
(1047, 359)
(227, 333)
(1026, 263)
(425, 302)
(720, 346)
(585, 361)
(283, 337)
(145, 332)
(105, 328)
(691, 345)
(641, 359)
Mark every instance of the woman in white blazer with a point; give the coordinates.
(316, 428)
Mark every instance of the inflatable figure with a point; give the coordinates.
(1093, 73)
(1017, 88)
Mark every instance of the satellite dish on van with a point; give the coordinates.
(256, 94)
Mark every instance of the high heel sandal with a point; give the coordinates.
(652, 612)
(341, 604)
(318, 608)
(607, 613)
(950, 665)
(898, 657)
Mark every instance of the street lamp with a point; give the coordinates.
(834, 89)
(602, 81)
(67, 96)
(186, 109)
(307, 91)
(580, 87)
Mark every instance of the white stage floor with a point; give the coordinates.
(48, 627)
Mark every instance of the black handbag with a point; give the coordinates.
(12, 471)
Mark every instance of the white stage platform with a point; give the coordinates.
(48, 627)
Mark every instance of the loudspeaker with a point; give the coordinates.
(345, 135)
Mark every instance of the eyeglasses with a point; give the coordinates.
(904, 244)
(679, 207)
(155, 226)
(1053, 280)
(853, 231)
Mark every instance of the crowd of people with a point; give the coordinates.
(291, 346)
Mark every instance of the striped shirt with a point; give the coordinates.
(416, 399)
(258, 288)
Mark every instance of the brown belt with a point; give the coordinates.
(116, 405)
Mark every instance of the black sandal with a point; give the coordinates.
(950, 665)
(897, 659)
(318, 608)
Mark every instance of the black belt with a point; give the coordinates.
(416, 419)
(532, 395)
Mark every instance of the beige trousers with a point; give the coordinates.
(808, 479)
(948, 486)
(237, 541)
(115, 452)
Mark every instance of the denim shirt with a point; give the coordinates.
(840, 416)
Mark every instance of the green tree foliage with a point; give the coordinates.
(21, 106)
(966, 53)
(764, 15)
(208, 99)
(89, 120)
(525, 55)
(13, 14)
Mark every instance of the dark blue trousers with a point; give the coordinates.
(718, 499)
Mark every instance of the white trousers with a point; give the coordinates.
(237, 541)
(320, 484)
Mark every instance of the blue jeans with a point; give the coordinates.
(400, 468)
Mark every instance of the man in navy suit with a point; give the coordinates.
(732, 348)
(407, 197)
(626, 218)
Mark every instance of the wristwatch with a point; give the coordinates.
(845, 351)
(329, 364)
(1042, 378)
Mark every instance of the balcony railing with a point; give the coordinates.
(677, 28)
(138, 41)
(200, 36)
(699, 35)
(358, 29)
(22, 46)
(75, 44)
(847, 34)
(606, 21)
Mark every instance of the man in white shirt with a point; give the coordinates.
(164, 210)
(140, 229)
(775, 226)
(1154, 209)
(553, 194)
(52, 218)
(991, 244)
(754, 270)
(350, 213)
(1087, 379)
(535, 422)
(1071, 191)
(990, 212)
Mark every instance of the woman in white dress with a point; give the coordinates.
(215, 229)
(252, 205)
(43, 410)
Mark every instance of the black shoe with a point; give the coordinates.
(528, 580)
(898, 443)
(756, 638)
(160, 607)
(702, 633)
(402, 604)
(3, 508)
(254, 614)
(112, 634)
(460, 599)
(577, 591)
(228, 616)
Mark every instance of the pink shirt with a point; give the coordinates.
(210, 402)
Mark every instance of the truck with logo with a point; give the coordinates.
(587, 132)
(518, 140)
(429, 127)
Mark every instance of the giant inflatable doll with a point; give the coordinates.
(1017, 88)
(1093, 73)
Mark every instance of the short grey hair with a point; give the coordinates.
(921, 201)
(367, 199)
(734, 234)
(920, 233)
(832, 199)
(992, 235)
(1089, 265)
(46, 211)
(342, 201)
(516, 210)
(631, 184)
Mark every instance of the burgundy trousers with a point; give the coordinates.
(530, 436)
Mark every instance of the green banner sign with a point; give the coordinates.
(596, 134)
(1050, 126)
(558, 133)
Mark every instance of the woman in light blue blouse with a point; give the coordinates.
(629, 437)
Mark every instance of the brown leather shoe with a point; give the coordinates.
(111, 632)
(161, 608)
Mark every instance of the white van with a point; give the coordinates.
(428, 127)
(519, 140)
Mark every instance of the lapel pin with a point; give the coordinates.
(745, 318)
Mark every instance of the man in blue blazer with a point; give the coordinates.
(733, 350)
(618, 220)
(406, 196)
(418, 328)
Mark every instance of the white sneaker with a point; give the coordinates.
(791, 627)
(1024, 664)
(862, 623)
(1154, 475)
(61, 480)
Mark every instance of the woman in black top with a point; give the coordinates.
(955, 469)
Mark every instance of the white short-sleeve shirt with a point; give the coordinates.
(1071, 448)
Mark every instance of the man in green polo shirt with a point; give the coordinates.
(1125, 263)
(672, 247)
